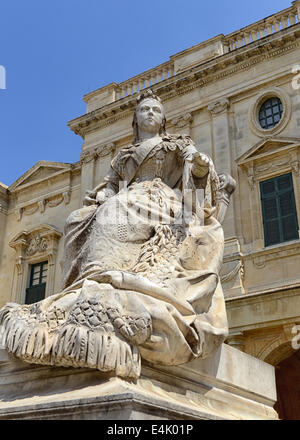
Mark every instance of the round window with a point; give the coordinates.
(270, 113)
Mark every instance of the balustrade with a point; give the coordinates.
(256, 31)
(144, 80)
(275, 23)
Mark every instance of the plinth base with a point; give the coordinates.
(229, 385)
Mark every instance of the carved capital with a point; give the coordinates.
(218, 107)
(105, 150)
(98, 151)
(87, 156)
(182, 120)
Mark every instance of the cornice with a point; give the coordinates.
(213, 70)
(269, 294)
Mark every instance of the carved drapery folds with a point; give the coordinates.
(32, 246)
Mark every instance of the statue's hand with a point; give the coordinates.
(90, 198)
(201, 164)
(103, 195)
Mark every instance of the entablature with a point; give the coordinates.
(224, 65)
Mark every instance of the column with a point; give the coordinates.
(297, 4)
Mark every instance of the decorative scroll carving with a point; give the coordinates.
(42, 204)
(295, 167)
(226, 188)
(37, 244)
(239, 268)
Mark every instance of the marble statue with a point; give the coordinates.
(141, 263)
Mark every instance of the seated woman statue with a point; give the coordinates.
(141, 264)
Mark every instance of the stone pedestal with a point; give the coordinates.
(230, 385)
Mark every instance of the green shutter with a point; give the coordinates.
(35, 294)
(37, 286)
(279, 210)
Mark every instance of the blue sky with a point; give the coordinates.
(56, 51)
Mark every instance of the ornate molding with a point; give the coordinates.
(41, 239)
(40, 205)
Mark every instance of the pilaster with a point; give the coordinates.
(221, 147)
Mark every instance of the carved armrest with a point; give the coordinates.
(226, 189)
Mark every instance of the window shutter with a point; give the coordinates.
(37, 283)
(35, 294)
(279, 210)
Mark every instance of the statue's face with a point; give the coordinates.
(149, 115)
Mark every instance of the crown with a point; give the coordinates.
(148, 94)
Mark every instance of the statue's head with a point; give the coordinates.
(148, 101)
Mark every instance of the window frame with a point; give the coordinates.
(25, 257)
(263, 108)
(258, 100)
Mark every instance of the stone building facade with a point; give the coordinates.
(238, 97)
